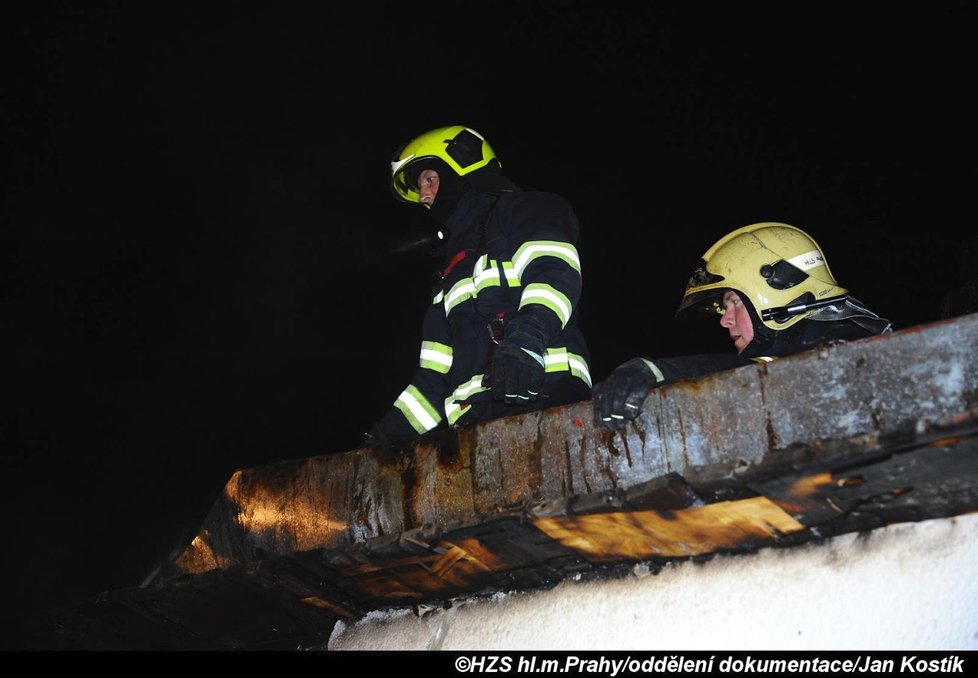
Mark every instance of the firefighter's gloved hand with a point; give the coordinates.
(618, 399)
(385, 430)
(518, 368)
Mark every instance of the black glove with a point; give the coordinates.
(618, 399)
(517, 369)
(389, 428)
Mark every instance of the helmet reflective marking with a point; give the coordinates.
(397, 164)
(808, 260)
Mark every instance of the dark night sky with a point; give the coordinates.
(202, 262)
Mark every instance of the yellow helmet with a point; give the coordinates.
(463, 149)
(778, 268)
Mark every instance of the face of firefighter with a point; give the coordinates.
(736, 319)
(428, 186)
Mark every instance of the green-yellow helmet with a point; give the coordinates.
(461, 148)
(778, 268)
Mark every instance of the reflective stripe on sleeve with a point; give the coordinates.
(534, 249)
(436, 356)
(655, 370)
(453, 405)
(547, 295)
(558, 359)
(417, 410)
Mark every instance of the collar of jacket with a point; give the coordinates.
(808, 334)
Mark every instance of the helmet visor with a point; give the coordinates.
(702, 289)
(405, 179)
(405, 185)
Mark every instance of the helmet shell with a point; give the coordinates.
(768, 264)
(461, 148)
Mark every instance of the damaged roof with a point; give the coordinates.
(846, 438)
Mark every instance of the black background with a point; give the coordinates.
(204, 269)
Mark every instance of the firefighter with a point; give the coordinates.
(772, 288)
(501, 334)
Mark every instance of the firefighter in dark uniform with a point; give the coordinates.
(774, 292)
(501, 334)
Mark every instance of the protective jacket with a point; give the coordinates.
(805, 335)
(619, 397)
(510, 259)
